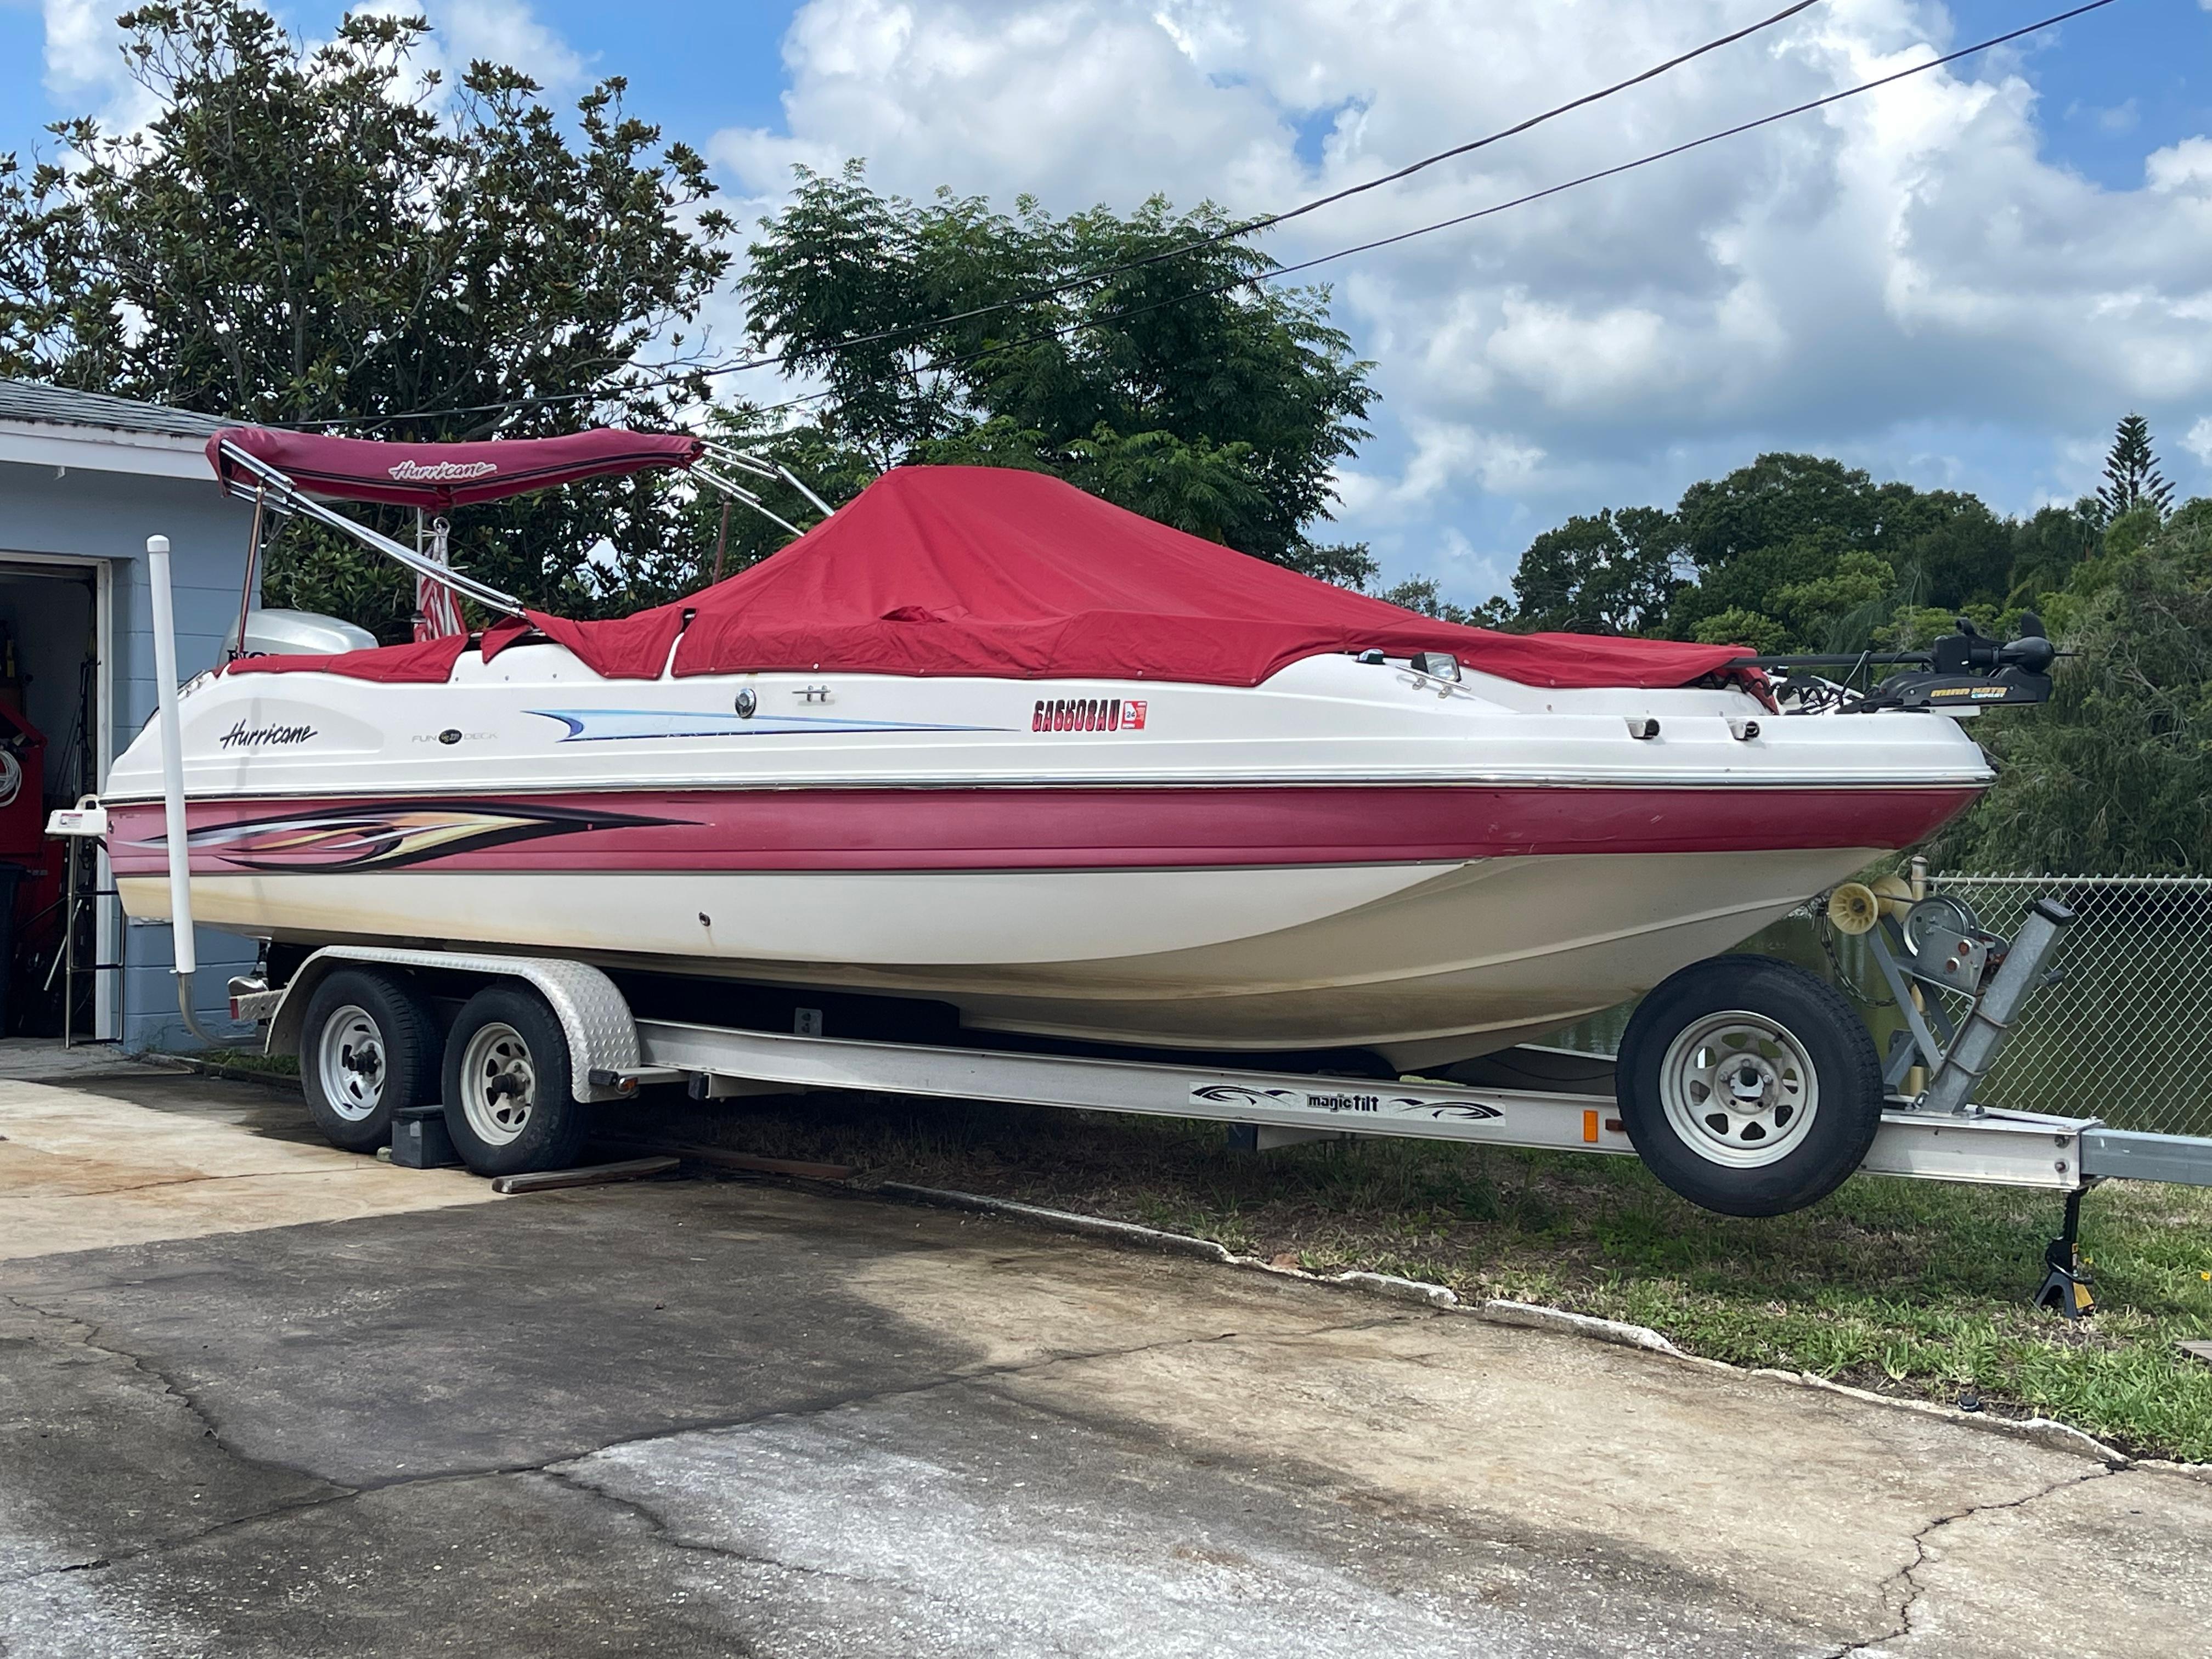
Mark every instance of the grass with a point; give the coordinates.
(1915, 1288)
(250, 1060)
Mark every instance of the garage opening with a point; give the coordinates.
(50, 755)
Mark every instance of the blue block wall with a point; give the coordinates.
(109, 515)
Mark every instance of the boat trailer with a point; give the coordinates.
(1543, 1098)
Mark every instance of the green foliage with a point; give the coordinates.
(1791, 553)
(1825, 555)
(302, 235)
(2132, 479)
(2114, 775)
(1613, 574)
(1418, 593)
(1801, 553)
(1223, 416)
(1738, 625)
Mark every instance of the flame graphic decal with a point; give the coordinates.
(381, 837)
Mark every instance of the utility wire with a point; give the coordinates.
(1229, 232)
(1280, 271)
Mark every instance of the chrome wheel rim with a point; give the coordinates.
(499, 1083)
(351, 1063)
(1738, 1090)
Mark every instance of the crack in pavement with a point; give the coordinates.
(552, 1467)
(88, 1335)
(1907, 1577)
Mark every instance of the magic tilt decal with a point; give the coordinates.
(619, 725)
(1349, 1099)
(385, 837)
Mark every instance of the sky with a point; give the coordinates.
(1963, 280)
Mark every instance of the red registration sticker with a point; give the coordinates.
(1132, 717)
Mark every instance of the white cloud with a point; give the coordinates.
(1903, 278)
(2199, 442)
(84, 63)
(506, 32)
(85, 66)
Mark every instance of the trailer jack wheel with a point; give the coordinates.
(1750, 1086)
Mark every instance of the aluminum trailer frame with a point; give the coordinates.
(614, 1053)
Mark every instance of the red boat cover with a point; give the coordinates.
(444, 475)
(994, 572)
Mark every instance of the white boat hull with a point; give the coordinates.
(1424, 961)
(1348, 855)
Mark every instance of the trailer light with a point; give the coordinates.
(1589, 1127)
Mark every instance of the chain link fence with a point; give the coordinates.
(2126, 1036)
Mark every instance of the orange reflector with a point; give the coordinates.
(1589, 1127)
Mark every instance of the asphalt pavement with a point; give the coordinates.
(258, 1397)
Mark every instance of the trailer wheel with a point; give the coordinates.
(370, 1050)
(508, 1105)
(1750, 1086)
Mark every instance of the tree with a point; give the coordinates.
(1613, 574)
(1185, 388)
(2114, 774)
(306, 235)
(1804, 550)
(2131, 475)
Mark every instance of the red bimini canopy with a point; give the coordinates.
(989, 571)
(441, 475)
(937, 570)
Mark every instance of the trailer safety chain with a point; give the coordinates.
(1826, 930)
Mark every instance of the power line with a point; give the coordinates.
(1499, 207)
(1694, 143)
(1227, 233)
(1267, 222)
(1280, 271)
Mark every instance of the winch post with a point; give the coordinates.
(2065, 1289)
(1987, 1025)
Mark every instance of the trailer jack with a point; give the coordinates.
(2066, 1281)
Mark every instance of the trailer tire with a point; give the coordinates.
(370, 1050)
(509, 1108)
(1749, 1085)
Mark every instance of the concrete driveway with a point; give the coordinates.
(260, 1398)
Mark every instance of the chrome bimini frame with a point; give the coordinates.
(277, 492)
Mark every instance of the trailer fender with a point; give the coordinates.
(593, 1015)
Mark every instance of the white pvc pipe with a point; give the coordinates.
(184, 948)
(173, 755)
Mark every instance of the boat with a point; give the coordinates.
(983, 741)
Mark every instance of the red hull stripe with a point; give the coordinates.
(1023, 829)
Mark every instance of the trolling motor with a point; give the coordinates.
(1969, 669)
(1961, 672)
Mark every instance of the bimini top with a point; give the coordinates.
(997, 573)
(443, 476)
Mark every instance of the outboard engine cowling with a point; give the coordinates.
(279, 633)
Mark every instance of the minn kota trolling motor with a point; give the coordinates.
(1960, 673)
